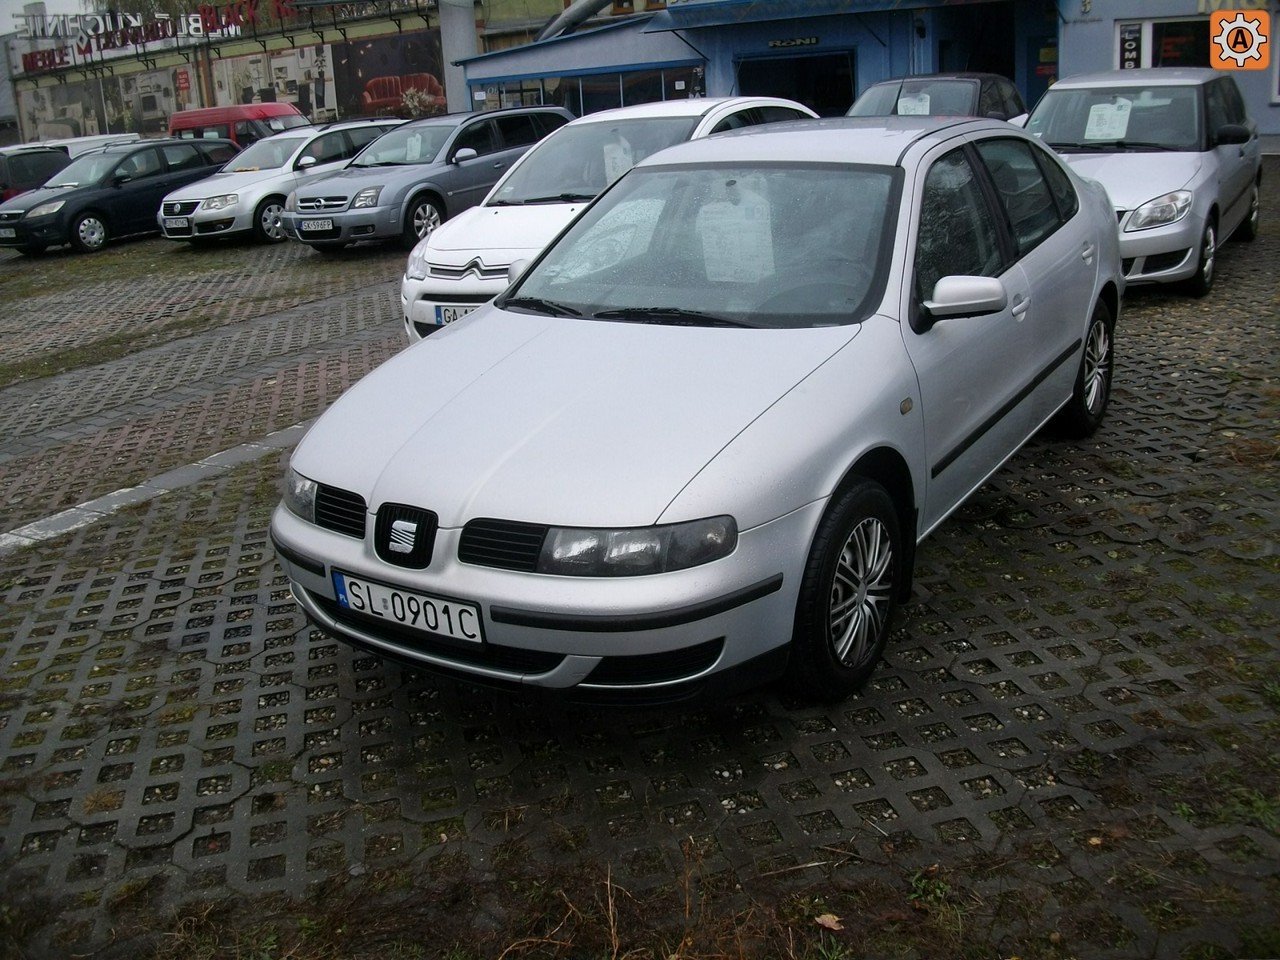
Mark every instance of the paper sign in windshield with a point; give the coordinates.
(737, 239)
(1108, 121)
(914, 105)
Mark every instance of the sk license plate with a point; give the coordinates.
(8, 233)
(310, 225)
(448, 618)
(176, 223)
(449, 313)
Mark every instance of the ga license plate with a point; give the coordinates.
(309, 225)
(418, 611)
(8, 233)
(447, 313)
(176, 223)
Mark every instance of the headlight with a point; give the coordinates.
(368, 197)
(417, 266)
(1170, 208)
(300, 495)
(636, 551)
(221, 203)
(291, 201)
(45, 209)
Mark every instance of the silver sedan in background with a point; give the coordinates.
(248, 194)
(694, 445)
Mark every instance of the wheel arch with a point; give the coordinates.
(889, 469)
(429, 191)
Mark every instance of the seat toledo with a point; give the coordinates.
(695, 444)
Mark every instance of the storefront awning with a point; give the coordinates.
(689, 14)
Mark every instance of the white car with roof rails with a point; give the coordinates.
(248, 194)
(464, 263)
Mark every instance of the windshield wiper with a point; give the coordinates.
(670, 315)
(539, 305)
(1102, 146)
(561, 198)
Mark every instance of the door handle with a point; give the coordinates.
(1020, 306)
(1086, 254)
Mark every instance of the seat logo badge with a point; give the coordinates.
(403, 533)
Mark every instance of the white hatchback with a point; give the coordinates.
(464, 263)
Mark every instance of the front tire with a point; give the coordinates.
(89, 233)
(1202, 282)
(848, 595)
(424, 216)
(266, 221)
(1084, 411)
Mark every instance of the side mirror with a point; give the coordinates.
(516, 269)
(305, 162)
(1230, 133)
(465, 153)
(120, 179)
(966, 297)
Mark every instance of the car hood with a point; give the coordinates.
(555, 420)
(500, 234)
(33, 198)
(221, 183)
(1132, 179)
(353, 178)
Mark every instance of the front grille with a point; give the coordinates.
(340, 511)
(404, 535)
(11, 216)
(1164, 261)
(510, 659)
(182, 208)
(656, 667)
(505, 544)
(474, 267)
(316, 204)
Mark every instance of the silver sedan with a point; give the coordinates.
(695, 443)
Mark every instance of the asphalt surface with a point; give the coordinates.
(1087, 672)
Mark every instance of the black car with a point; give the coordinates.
(111, 193)
(942, 94)
(25, 167)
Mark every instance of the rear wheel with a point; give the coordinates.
(89, 233)
(1202, 282)
(847, 595)
(424, 216)
(266, 221)
(1084, 411)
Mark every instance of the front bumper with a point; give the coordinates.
(343, 226)
(420, 298)
(45, 232)
(1164, 254)
(634, 639)
(185, 224)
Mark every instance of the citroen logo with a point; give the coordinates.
(403, 533)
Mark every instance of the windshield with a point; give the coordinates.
(924, 97)
(768, 245)
(269, 154)
(89, 168)
(412, 143)
(579, 161)
(287, 122)
(1119, 118)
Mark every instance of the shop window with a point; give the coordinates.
(1180, 43)
(621, 7)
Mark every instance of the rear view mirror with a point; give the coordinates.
(966, 297)
(465, 153)
(1233, 133)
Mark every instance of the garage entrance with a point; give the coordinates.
(823, 82)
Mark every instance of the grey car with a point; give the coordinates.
(1178, 155)
(412, 179)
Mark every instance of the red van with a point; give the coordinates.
(244, 123)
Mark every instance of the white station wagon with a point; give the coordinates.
(695, 444)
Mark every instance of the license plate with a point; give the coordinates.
(8, 233)
(447, 313)
(176, 223)
(419, 611)
(309, 225)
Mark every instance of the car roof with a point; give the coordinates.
(1148, 76)
(131, 145)
(31, 148)
(691, 107)
(955, 75)
(880, 141)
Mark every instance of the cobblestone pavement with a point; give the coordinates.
(1076, 720)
